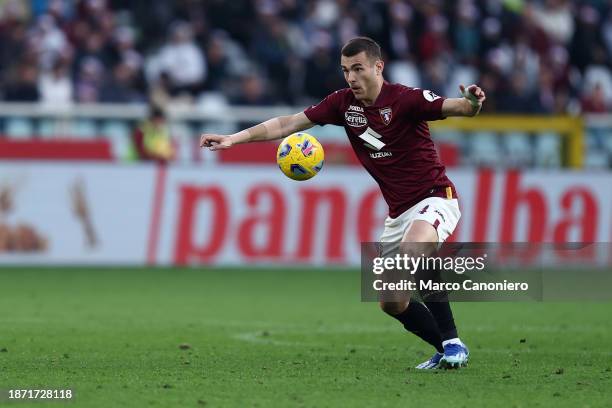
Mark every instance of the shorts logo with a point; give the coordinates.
(430, 96)
(424, 210)
(440, 214)
(355, 119)
(385, 115)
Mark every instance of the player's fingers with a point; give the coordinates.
(473, 89)
(479, 93)
(203, 140)
(217, 146)
(476, 91)
(462, 88)
(207, 139)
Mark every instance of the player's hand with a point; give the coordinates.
(473, 90)
(475, 95)
(215, 142)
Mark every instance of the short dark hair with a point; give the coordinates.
(360, 44)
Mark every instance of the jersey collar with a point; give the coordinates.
(384, 90)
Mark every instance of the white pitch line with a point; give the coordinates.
(256, 337)
(272, 339)
(392, 328)
(23, 320)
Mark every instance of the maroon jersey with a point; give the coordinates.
(392, 141)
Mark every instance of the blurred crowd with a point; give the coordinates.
(546, 56)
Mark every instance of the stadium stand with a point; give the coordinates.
(548, 57)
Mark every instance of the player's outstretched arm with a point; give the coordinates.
(275, 128)
(469, 105)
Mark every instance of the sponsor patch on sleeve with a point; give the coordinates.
(429, 95)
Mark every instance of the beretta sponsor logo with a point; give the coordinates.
(355, 119)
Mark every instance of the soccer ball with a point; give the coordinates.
(300, 156)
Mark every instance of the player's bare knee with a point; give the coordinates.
(416, 249)
(420, 233)
(393, 308)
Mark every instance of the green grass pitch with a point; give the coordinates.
(271, 338)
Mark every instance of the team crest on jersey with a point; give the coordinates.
(385, 114)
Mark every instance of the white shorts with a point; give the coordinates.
(440, 212)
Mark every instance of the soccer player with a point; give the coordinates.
(387, 127)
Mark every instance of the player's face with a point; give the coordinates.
(363, 75)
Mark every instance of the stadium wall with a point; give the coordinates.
(105, 214)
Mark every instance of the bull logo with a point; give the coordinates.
(385, 115)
